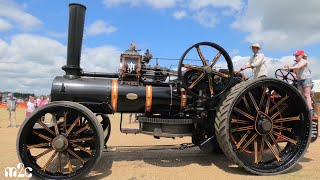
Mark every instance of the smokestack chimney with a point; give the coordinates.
(75, 34)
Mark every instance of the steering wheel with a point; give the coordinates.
(200, 80)
(285, 75)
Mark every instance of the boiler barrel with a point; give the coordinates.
(119, 98)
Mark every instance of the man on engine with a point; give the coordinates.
(257, 62)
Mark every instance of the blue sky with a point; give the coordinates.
(33, 34)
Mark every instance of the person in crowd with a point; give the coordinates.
(0, 98)
(257, 62)
(43, 101)
(31, 106)
(303, 75)
(130, 117)
(48, 99)
(11, 108)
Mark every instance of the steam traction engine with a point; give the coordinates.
(262, 134)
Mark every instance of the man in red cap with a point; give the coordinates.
(303, 76)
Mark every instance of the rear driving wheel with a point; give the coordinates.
(62, 140)
(263, 126)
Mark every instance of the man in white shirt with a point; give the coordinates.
(257, 62)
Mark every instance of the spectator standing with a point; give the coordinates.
(31, 106)
(43, 101)
(0, 98)
(11, 108)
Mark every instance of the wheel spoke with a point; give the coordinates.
(272, 150)
(278, 113)
(275, 142)
(285, 137)
(197, 81)
(249, 142)
(76, 156)
(210, 85)
(256, 157)
(59, 163)
(253, 101)
(82, 148)
(263, 137)
(214, 61)
(288, 119)
(246, 103)
(267, 105)
(45, 127)
(82, 129)
(199, 68)
(81, 139)
(282, 128)
(242, 129)
(43, 153)
(279, 103)
(54, 120)
(65, 121)
(243, 139)
(238, 121)
(42, 136)
(38, 145)
(201, 56)
(262, 97)
(220, 74)
(49, 161)
(72, 126)
(244, 113)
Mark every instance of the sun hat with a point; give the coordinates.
(255, 45)
(298, 53)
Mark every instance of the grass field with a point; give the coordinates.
(140, 162)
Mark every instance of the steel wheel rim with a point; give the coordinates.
(74, 151)
(290, 153)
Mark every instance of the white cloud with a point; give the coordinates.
(133, 3)
(101, 59)
(280, 25)
(232, 4)
(204, 12)
(29, 63)
(4, 25)
(57, 34)
(179, 14)
(206, 18)
(13, 12)
(234, 52)
(100, 27)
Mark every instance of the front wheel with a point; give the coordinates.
(61, 140)
(264, 126)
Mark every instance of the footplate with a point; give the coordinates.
(165, 120)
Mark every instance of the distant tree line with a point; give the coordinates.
(18, 95)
